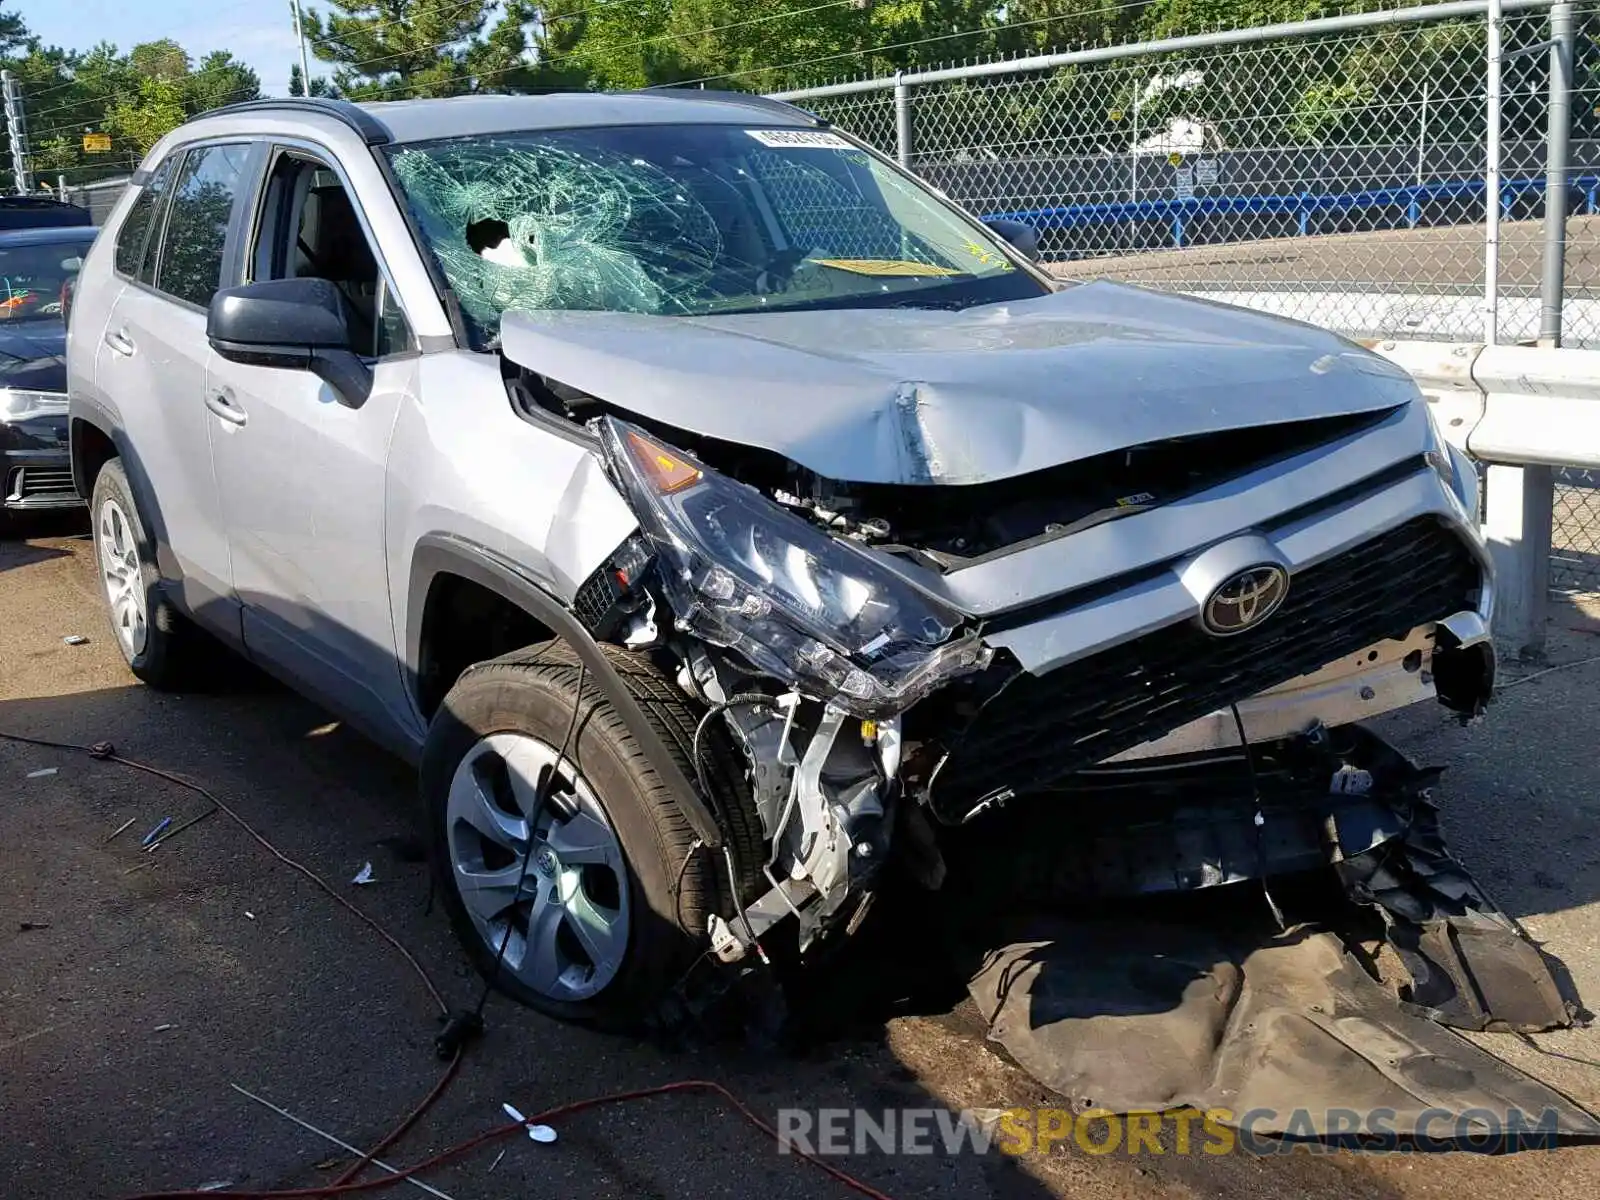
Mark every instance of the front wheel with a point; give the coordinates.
(156, 640)
(590, 905)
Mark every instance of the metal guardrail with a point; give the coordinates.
(1531, 416)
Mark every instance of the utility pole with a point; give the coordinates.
(1558, 144)
(300, 38)
(17, 132)
(1491, 178)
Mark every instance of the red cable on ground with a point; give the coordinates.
(400, 1130)
(346, 1184)
(549, 1114)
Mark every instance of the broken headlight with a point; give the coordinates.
(798, 604)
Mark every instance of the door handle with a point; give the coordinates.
(221, 403)
(120, 342)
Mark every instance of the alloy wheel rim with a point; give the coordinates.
(123, 578)
(563, 916)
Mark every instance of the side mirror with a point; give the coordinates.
(1023, 238)
(293, 325)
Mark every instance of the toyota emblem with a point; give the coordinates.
(1245, 600)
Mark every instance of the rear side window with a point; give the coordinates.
(135, 231)
(197, 221)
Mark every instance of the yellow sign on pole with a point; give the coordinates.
(97, 143)
(1175, 159)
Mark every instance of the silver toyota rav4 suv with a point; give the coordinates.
(715, 512)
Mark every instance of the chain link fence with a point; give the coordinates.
(1575, 538)
(99, 197)
(1333, 171)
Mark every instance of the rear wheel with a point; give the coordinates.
(156, 640)
(582, 890)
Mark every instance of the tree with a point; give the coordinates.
(297, 84)
(135, 97)
(220, 79)
(394, 49)
(14, 35)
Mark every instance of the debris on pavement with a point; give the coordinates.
(365, 875)
(42, 772)
(538, 1133)
(163, 838)
(120, 829)
(216, 1185)
(250, 915)
(1347, 1008)
(496, 1162)
(29, 926)
(154, 835)
(164, 1028)
(75, 639)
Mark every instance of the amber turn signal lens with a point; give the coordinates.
(663, 469)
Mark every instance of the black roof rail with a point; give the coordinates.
(743, 99)
(368, 126)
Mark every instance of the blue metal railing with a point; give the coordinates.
(1303, 206)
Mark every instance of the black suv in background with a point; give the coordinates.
(36, 268)
(40, 212)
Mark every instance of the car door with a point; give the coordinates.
(152, 363)
(301, 473)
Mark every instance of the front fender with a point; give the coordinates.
(440, 554)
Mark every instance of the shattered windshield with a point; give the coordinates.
(689, 219)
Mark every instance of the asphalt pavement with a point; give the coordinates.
(136, 987)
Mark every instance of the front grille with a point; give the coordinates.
(43, 481)
(29, 482)
(1039, 728)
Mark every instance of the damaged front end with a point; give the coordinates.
(873, 654)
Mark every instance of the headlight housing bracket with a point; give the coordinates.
(798, 604)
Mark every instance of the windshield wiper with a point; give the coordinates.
(941, 305)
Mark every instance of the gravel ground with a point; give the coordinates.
(162, 978)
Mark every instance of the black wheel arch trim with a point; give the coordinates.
(88, 412)
(438, 554)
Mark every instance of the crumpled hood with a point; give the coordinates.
(894, 395)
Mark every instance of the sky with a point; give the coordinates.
(260, 33)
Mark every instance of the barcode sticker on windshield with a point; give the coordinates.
(800, 139)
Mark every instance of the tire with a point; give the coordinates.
(157, 641)
(517, 709)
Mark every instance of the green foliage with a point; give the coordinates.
(1347, 89)
(319, 85)
(135, 97)
(400, 49)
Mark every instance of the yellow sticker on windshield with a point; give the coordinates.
(883, 266)
(986, 257)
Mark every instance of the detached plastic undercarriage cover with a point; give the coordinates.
(1344, 1012)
